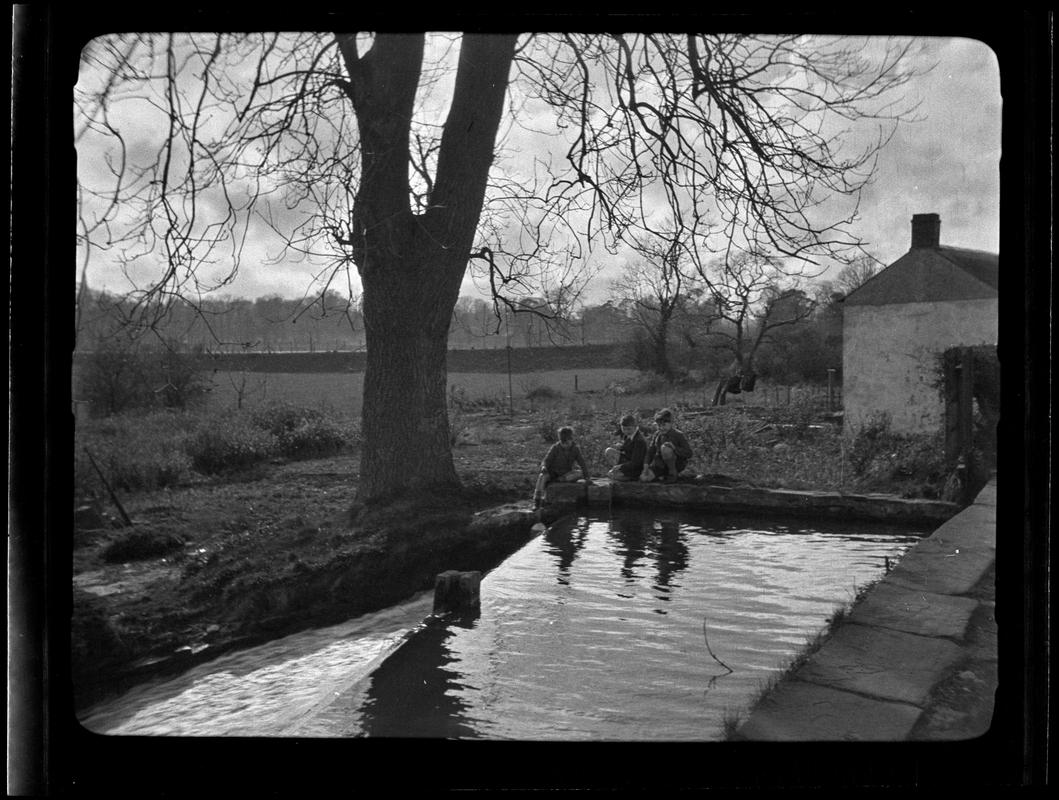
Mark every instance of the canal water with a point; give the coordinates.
(636, 627)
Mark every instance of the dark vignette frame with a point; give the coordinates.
(49, 753)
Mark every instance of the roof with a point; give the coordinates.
(931, 274)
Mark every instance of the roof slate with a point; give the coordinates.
(931, 274)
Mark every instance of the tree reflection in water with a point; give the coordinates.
(414, 693)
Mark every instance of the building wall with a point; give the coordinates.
(891, 358)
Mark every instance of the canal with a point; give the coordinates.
(636, 626)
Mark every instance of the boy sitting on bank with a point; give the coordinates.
(668, 453)
(558, 464)
(628, 457)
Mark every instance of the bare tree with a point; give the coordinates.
(405, 158)
(856, 273)
(750, 295)
(654, 287)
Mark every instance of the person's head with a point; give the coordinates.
(566, 436)
(628, 425)
(664, 419)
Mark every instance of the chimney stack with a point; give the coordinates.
(926, 230)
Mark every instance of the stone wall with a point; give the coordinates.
(603, 493)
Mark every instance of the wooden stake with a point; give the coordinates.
(114, 497)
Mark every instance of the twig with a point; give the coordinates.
(710, 650)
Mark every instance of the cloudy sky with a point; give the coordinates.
(947, 162)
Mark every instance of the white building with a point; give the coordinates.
(897, 325)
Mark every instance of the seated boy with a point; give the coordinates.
(628, 457)
(668, 453)
(558, 464)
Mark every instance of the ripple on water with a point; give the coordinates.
(596, 629)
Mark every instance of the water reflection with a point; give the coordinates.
(663, 541)
(564, 543)
(416, 692)
(569, 644)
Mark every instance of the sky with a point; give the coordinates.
(947, 162)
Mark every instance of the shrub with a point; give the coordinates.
(280, 418)
(229, 442)
(870, 440)
(313, 438)
(121, 374)
(542, 392)
(136, 451)
(912, 465)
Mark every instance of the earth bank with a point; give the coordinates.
(263, 555)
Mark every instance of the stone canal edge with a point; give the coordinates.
(916, 658)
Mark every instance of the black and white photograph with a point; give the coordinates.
(626, 391)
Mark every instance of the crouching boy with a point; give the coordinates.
(668, 453)
(558, 464)
(627, 458)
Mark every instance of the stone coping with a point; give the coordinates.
(873, 677)
(693, 495)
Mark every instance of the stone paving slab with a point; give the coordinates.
(942, 572)
(910, 611)
(799, 712)
(881, 663)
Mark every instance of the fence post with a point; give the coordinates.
(510, 385)
(966, 400)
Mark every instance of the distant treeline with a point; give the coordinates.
(273, 334)
(523, 359)
(334, 323)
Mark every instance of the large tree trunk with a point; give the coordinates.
(406, 442)
(410, 265)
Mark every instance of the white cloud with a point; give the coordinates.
(947, 163)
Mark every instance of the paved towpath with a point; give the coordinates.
(916, 659)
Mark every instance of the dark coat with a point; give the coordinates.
(680, 446)
(631, 454)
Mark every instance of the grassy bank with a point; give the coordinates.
(789, 446)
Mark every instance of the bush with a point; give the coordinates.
(313, 438)
(301, 432)
(229, 442)
(871, 439)
(136, 451)
(121, 374)
(912, 465)
(542, 392)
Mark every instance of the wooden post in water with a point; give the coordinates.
(457, 591)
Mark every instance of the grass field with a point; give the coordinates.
(600, 388)
(345, 391)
